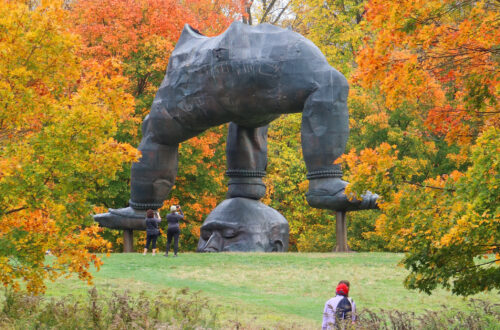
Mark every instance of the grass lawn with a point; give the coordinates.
(266, 289)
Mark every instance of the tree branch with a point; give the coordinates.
(281, 13)
(268, 9)
(486, 263)
(15, 210)
(248, 9)
(424, 186)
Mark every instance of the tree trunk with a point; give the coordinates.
(128, 240)
(341, 232)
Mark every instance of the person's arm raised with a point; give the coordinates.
(157, 217)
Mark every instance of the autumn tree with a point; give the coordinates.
(335, 26)
(57, 125)
(432, 65)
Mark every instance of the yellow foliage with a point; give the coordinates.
(57, 125)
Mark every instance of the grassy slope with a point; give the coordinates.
(263, 289)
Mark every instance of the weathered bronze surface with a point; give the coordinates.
(243, 224)
(247, 76)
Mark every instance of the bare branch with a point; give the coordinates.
(281, 12)
(248, 9)
(425, 186)
(268, 9)
(15, 210)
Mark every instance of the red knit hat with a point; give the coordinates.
(342, 289)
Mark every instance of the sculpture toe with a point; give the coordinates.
(330, 194)
(340, 202)
(369, 201)
(125, 218)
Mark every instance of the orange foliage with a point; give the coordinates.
(119, 28)
(438, 55)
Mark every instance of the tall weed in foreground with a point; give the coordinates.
(166, 309)
(182, 309)
(480, 315)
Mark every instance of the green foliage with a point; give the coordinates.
(310, 229)
(200, 183)
(361, 234)
(421, 118)
(472, 229)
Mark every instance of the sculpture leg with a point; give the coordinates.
(154, 175)
(241, 222)
(246, 153)
(325, 129)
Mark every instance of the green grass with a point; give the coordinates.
(258, 288)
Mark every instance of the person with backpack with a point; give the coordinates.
(339, 308)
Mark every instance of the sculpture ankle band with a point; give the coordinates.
(245, 173)
(324, 174)
(144, 206)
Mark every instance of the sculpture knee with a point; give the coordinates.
(153, 176)
(325, 122)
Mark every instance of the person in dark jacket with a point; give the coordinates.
(152, 231)
(173, 227)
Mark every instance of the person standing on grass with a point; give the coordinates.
(152, 231)
(173, 228)
(340, 307)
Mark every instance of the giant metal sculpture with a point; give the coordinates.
(247, 76)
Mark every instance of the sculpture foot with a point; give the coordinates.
(329, 193)
(125, 218)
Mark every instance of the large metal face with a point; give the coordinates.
(222, 235)
(243, 225)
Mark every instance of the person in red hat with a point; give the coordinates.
(340, 307)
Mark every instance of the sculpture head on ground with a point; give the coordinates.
(242, 225)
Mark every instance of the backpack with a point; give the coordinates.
(344, 309)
